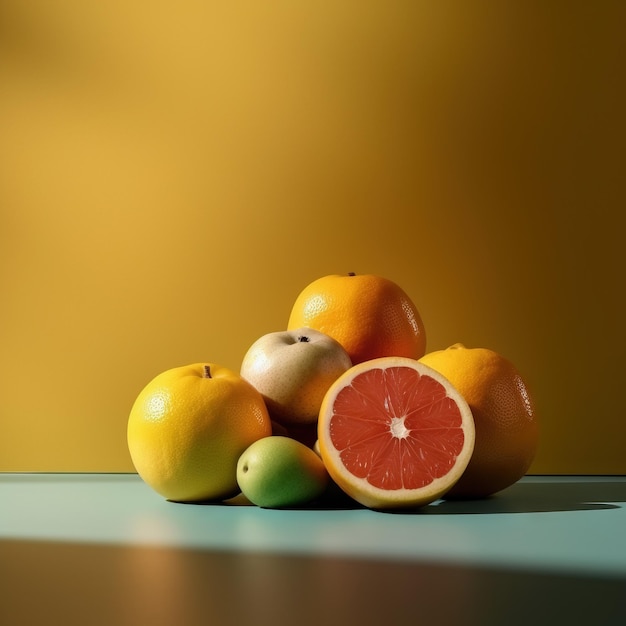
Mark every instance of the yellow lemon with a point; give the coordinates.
(189, 426)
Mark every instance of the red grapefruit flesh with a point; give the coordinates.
(394, 433)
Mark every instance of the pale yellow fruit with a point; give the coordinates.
(293, 370)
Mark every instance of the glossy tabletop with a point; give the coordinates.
(105, 549)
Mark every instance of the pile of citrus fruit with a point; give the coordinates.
(344, 400)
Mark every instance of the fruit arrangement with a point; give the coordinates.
(346, 401)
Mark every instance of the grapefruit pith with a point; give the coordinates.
(394, 433)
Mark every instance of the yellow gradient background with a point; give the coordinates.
(173, 174)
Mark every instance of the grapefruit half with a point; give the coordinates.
(394, 433)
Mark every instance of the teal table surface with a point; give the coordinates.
(105, 548)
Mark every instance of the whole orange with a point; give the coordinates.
(370, 316)
(189, 426)
(507, 431)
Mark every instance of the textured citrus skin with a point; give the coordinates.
(376, 434)
(507, 431)
(186, 431)
(368, 315)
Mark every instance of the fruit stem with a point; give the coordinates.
(207, 372)
(304, 339)
(351, 274)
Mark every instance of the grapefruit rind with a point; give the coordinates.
(359, 488)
